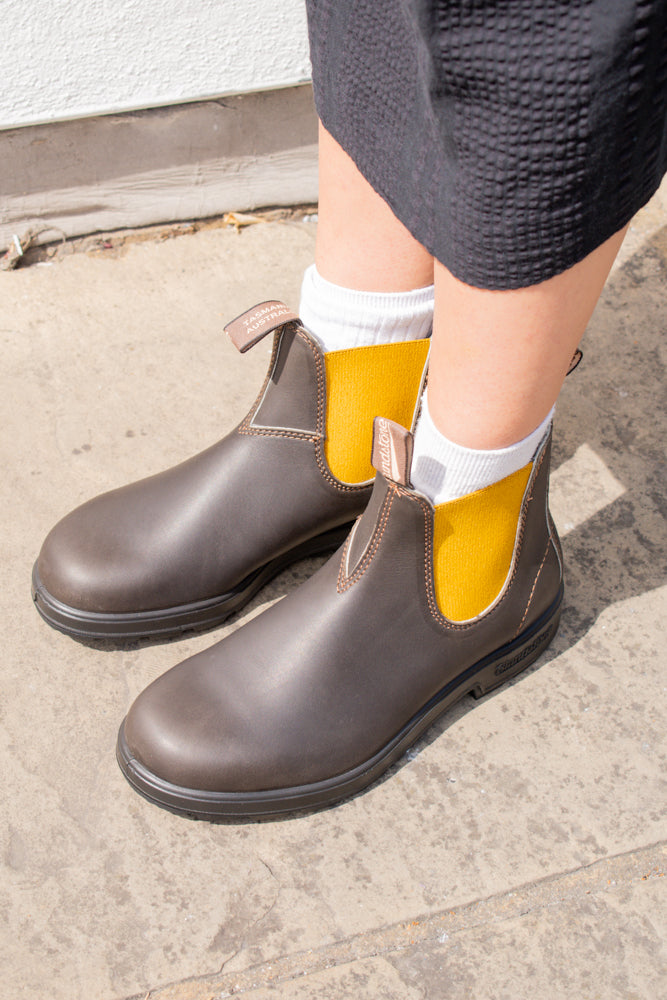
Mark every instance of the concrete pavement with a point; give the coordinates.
(517, 851)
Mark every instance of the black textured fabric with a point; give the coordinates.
(511, 137)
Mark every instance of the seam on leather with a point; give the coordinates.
(555, 541)
(317, 438)
(321, 383)
(283, 430)
(325, 471)
(245, 423)
(532, 592)
(336, 483)
(277, 432)
(267, 381)
(345, 582)
(247, 426)
(342, 569)
(349, 541)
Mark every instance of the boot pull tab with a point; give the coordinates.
(248, 329)
(392, 450)
(574, 363)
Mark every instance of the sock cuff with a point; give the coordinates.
(387, 302)
(444, 470)
(346, 317)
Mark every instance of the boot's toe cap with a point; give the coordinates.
(88, 563)
(179, 731)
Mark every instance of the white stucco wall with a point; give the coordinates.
(72, 58)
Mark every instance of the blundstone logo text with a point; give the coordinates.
(387, 451)
(538, 641)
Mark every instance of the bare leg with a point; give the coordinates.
(360, 242)
(498, 359)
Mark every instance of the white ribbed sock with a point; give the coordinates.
(443, 470)
(343, 317)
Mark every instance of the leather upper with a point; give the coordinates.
(318, 683)
(195, 531)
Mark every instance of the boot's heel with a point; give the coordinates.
(515, 657)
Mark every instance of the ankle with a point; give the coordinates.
(445, 471)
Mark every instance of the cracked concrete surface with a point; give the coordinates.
(450, 953)
(516, 851)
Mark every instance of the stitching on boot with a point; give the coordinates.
(532, 592)
(275, 429)
(319, 450)
(344, 569)
(317, 439)
(555, 540)
(336, 483)
(247, 427)
(277, 337)
(523, 517)
(345, 582)
(428, 563)
(275, 432)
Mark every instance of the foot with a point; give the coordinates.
(186, 548)
(312, 700)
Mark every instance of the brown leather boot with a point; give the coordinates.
(186, 548)
(313, 699)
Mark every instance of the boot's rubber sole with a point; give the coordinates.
(166, 622)
(478, 680)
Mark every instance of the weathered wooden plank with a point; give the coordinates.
(162, 165)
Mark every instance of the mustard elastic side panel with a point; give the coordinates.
(473, 546)
(363, 383)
